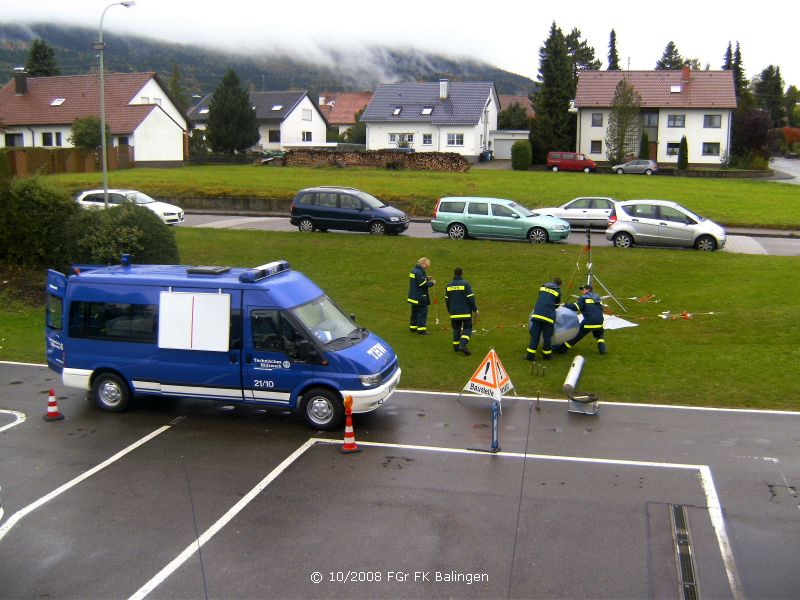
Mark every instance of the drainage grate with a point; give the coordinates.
(683, 553)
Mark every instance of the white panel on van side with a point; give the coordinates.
(190, 321)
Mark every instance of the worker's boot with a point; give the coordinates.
(601, 346)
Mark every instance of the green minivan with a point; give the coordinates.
(463, 217)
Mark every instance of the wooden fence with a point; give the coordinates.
(26, 162)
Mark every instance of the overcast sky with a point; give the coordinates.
(506, 34)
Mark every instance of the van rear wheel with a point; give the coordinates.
(322, 410)
(110, 392)
(306, 225)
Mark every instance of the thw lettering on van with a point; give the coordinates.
(377, 351)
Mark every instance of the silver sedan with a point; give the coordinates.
(586, 211)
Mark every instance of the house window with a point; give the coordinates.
(57, 102)
(710, 148)
(203, 111)
(651, 119)
(712, 122)
(401, 138)
(274, 136)
(145, 100)
(596, 147)
(124, 140)
(673, 148)
(277, 106)
(427, 110)
(306, 114)
(455, 139)
(676, 120)
(427, 139)
(397, 111)
(14, 140)
(157, 101)
(306, 136)
(597, 119)
(47, 138)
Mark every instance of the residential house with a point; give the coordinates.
(433, 117)
(504, 139)
(343, 109)
(40, 111)
(695, 104)
(523, 101)
(285, 119)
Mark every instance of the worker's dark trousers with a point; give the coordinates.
(462, 331)
(544, 330)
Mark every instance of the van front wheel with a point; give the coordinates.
(322, 410)
(110, 392)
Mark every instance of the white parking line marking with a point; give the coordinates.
(20, 514)
(20, 418)
(221, 522)
(704, 473)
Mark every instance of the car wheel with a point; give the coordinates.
(620, 171)
(306, 225)
(706, 243)
(322, 410)
(587, 170)
(648, 172)
(537, 235)
(623, 240)
(457, 231)
(377, 228)
(555, 169)
(110, 392)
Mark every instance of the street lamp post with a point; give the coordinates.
(100, 47)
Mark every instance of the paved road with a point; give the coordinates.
(192, 499)
(744, 244)
(788, 168)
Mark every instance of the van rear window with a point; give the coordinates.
(114, 321)
(452, 207)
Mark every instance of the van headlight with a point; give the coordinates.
(371, 380)
(559, 227)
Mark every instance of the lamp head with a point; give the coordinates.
(128, 3)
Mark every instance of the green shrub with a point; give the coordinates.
(521, 155)
(102, 236)
(33, 219)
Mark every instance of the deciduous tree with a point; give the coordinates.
(513, 117)
(86, 133)
(624, 123)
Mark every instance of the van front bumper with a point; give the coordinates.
(368, 400)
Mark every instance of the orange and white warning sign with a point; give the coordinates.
(491, 378)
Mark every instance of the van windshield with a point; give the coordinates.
(370, 201)
(326, 322)
(524, 211)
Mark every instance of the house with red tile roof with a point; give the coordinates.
(695, 104)
(40, 111)
(343, 108)
(523, 101)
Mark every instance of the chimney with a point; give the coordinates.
(686, 75)
(443, 85)
(20, 81)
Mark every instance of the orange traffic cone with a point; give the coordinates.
(52, 408)
(349, 437)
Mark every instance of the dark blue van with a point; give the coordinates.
(267, 336)
(323, 208)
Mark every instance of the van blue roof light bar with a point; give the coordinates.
(263, 271)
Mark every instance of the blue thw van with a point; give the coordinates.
(267, 335)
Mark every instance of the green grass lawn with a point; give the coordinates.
(745, 354)
(732, 202)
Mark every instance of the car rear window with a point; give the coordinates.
(452, 207)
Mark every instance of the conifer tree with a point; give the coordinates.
(554, 128)
(176, 90)
(613, 57)
(727, 64)
(671, 59)
(42, 60)
(683, 154)
(232, 123)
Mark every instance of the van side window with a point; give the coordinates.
(478, 208)
(307, 200)
(347, 201)
(326, 199)
(266, 330)
(452, 207)
(54, 317)
(114, 321)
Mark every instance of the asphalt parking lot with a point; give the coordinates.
(184, 499)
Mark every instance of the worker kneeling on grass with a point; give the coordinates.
(460, 300)
(590, 305)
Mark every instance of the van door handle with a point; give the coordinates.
(249, 359)
(233, 358)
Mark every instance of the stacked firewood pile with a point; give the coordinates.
(385, 159)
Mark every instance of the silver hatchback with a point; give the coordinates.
(639, 166)
(661, 223)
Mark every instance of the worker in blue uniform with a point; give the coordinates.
(590, 305)
(543, 319)
(461, 305)
(418, 286)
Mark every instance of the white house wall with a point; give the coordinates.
(696, 134)
(158, 138)
(152, 93)
(32, 136)
(294, 125)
